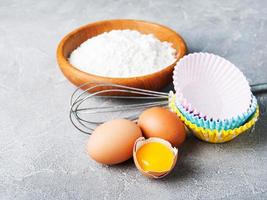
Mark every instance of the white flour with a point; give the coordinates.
(122, 53)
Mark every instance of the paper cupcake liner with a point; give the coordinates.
(215, 136)
(210, 86)
(218, 124)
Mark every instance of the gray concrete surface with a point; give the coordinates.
(42, 156)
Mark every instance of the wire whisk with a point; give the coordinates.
(91, 107)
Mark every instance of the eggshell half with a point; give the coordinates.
(113, 141)
(150, 174)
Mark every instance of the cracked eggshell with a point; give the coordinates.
(151, 174)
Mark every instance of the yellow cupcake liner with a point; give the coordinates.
(214, 136)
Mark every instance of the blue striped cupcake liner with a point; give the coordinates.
(225, 124)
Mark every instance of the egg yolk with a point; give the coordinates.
(155, 157)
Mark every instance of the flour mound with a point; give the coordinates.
(123, 53)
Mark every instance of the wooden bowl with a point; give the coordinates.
(153, 81)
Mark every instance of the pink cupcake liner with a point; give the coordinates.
(209, 86)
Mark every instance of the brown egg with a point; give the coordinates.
(113, 141)
(162, 123)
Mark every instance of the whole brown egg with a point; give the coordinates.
(162, 123)
(113, 141)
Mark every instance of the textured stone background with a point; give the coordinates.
(43, 157)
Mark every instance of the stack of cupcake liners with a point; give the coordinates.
(213, 97)
(219, 124)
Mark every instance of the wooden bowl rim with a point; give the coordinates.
(60, 56)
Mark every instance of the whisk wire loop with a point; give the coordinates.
(83, 115)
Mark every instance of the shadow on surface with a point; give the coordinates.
(186, 167)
